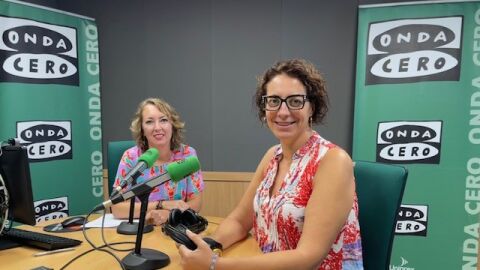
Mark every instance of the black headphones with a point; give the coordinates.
(178, 222)
(189, 218)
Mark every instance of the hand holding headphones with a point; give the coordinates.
(204, 249)
(178, 223)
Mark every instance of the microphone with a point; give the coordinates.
(176, 171)
(145, 161)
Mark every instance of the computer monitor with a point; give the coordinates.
(15, 171)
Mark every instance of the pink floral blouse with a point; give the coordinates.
(278, 220)
(182, 190)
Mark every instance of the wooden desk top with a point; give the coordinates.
(22, 257)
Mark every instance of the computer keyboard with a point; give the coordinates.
(39, 240)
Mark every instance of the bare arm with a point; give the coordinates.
(195, 203)
(161, 216)
(121, 210)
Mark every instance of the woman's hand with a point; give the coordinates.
(198, 258)
(157, 217)
(180, 204)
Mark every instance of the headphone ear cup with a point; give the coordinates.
(175, 217)
(189, 217)
(197, 223)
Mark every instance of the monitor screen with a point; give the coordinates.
(15, 170)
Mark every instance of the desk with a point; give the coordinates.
(22, 257)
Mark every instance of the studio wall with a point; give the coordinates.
(203, 57)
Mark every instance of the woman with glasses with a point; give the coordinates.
(301, 204)
(157, 124)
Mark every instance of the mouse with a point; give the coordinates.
(73, 221)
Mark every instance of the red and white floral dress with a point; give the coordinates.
(278, 220)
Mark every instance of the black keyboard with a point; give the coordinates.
(39, 240)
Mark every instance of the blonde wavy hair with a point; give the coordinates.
(177, 124)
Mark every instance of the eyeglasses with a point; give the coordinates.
(294, 102)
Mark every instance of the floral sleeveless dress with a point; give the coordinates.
(278, 220)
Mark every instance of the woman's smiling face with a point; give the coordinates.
(156, 126)
(287, 124)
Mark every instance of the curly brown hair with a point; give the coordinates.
(177, 130)
(305, 72)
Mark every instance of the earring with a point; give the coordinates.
(264, 120)
(310, 121)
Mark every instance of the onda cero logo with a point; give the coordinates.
(46, 210)
(34, 52)
(413, 50)
(409, 142)
(46, 140)
(412, 220)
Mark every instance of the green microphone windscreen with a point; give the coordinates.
(149, 156)
(182, 168)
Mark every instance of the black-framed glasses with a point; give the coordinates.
(294, 102)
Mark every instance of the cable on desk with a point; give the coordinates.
(105, 241)
(93, 245)
(97, 248)
(84, 231)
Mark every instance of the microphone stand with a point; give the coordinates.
(131, 228)
(144, 258)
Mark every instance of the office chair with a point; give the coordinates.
(115, 150)
(380, 190)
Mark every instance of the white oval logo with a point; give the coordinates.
(408, 151)
(51, 216)
(409, 226)
(38, 66)
(48, 149)
(414, 64)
